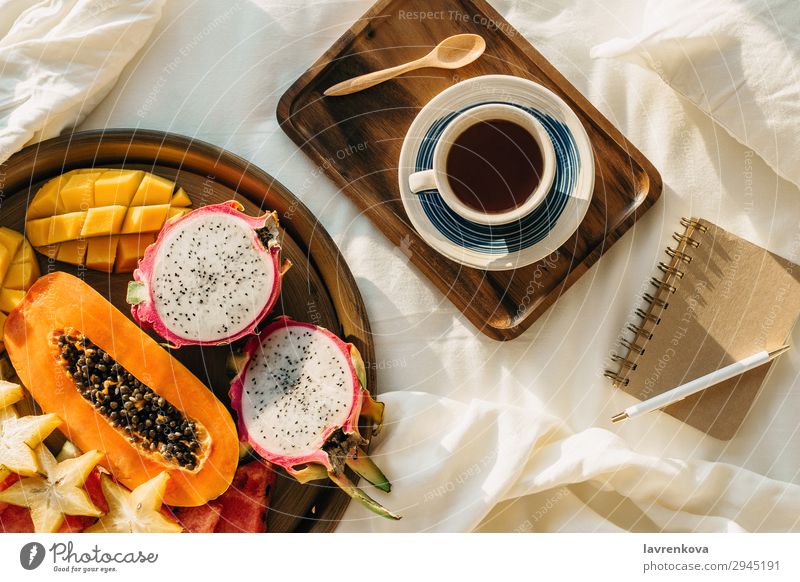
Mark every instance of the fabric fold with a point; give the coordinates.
(458, 460)
(59, 59)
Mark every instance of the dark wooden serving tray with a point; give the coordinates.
(356, 139)
(319, 287)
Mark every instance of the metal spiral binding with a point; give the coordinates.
(682, 238)
(639, 330)
(623, 362)
(616, 377)
(670, 270)
(632, 346)
(647, 316)
(681, 256)
(657, 301)
(691, 222)
(663, 285)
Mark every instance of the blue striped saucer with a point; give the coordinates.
(522, 242)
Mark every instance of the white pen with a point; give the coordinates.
(701, 383)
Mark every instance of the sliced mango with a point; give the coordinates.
(77, 193)
(130, 249)
(72, 252)
(24, 270)
(101, 253)
(47, 200)
(145, 218)
(5, 260)
(10, 239)
(18, 271)
(10, 298)
(103, 221)
(50, 251)
(153, 190)
(25, 253)
(117, 187)
(181, 198)
(98, 203)
(177, 212)
(55, 229)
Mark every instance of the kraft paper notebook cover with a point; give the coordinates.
(717, 300)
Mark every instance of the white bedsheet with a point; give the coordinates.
(506, 436)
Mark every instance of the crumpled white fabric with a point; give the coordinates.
(59, 59)
(735, 59)
(512, 436)
(453, 462)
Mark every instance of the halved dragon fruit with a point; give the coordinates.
(298, 394)
(210, 277)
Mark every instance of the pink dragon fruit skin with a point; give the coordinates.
(141, 291)
(337, 442)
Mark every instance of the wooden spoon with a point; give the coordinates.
(453, 52)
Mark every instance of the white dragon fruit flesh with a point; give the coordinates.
(299, 393)
(210, 277)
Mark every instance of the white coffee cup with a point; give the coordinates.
(436, 178)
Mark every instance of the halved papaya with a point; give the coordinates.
(120, 392)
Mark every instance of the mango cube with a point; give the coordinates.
(21, 275)
(117, 187)
(10, 242)
(130, 249)
(78, 192)
(153, 190)
(10, 298)
(72, 252)
(47, 201)
(103, 221)
(49, 251)
(25, 253)
(2, 323)
(101, 252)
(177, 212)
(5, 261)
(55, 229)
(38, 230)
(181, 198)
(10, 239)
(145, 218)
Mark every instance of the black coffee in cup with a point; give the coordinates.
(494, 166)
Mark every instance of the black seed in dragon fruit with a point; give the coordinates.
(210, 277)
(299, 394)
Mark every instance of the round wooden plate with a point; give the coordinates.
(319, 288)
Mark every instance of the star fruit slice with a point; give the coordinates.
(58, 493)
(136, 511)
(19, 436)
(9, 394)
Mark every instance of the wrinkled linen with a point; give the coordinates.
(59, 58)
(734, 59)
(515, 436)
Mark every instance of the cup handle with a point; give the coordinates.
(424, 180)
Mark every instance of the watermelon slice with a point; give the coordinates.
(16, 519)
(5, 484)
(95, 491)
(245, 503)
(202, 519)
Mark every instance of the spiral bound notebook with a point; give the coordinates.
(717, 299)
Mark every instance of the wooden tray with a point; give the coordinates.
(319, 288)
(356, 139)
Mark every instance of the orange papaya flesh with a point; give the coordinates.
(60, 305)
